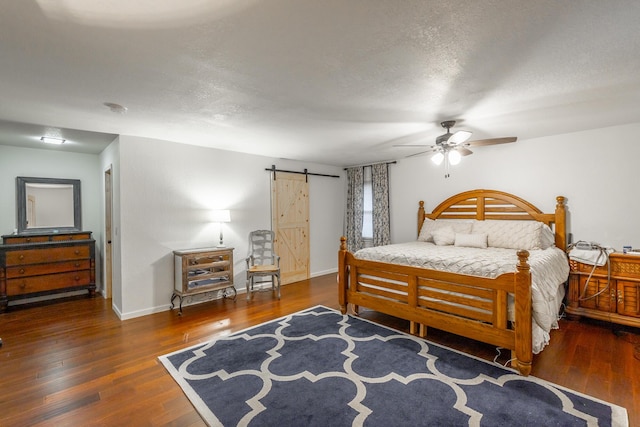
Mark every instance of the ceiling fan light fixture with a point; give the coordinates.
(437, 158)
(454, 157)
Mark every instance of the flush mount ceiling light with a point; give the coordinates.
(115, 108)
(52, 140)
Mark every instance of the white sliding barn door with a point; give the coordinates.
(290, 222)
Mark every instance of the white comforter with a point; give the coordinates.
(549, 271)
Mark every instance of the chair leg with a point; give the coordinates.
(278, 277)
(249, 285)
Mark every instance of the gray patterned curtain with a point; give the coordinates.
(381, 222)
(355, 200)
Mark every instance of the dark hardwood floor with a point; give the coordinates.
(74, 363)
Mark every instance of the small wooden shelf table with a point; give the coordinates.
(202, 271)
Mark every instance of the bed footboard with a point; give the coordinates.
(470, 306)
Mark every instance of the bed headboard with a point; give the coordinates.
(492, 204)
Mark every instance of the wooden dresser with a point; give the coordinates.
(41, 264)
(618, 295)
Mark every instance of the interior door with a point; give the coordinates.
(290, 222)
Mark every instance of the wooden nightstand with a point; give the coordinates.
(618, 298)
(201, 271)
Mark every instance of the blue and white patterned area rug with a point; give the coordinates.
(320, 368)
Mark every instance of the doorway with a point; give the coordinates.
(108, 220)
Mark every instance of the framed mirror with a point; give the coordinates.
(48, 205)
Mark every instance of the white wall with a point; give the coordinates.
(167, 191)
(595, 170)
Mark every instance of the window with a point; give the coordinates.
(367, 220)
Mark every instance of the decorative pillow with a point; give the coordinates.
(429, 226)
(444, 236)
(513, 234)
(471, 240)
(425, 231)
(547, 237)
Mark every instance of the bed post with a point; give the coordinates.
(523, 344)
(420, 216)
(561, 224)
(342, 275)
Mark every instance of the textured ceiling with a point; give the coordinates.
(333, 81)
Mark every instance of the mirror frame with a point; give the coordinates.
(21, 200)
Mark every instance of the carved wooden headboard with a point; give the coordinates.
(491, 204)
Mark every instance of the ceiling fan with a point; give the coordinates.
(450, 147)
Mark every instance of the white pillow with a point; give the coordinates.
(429, 226)
(471, 240)
(444, 236)
(513, 234)
(547, 237)
(425, 231)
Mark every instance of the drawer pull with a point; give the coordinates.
(28, 239)
(21, 271)
(76, 278)
(21, 257)
(23, 285)
(77, 264)
(77, 252)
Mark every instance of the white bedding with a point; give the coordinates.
(549, 271)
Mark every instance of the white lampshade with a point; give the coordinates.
(221, 215)
(454, 157)
(437, 158)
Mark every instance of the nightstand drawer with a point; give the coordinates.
(579, 267)
(626, 268)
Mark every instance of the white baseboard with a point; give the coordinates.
(322, 273)
(194, 301)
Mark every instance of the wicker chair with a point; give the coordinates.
(262, 260)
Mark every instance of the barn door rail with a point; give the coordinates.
(305, 172)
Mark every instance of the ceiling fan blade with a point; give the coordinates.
(464, 151)
(422, 153)
(414, 145)
(459, 137)
(492, 141)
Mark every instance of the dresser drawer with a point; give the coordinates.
(66, 237)
(40, 269)
(35, 256)
(24, 239)
(47, 282)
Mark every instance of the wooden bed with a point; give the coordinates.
(408, 292)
